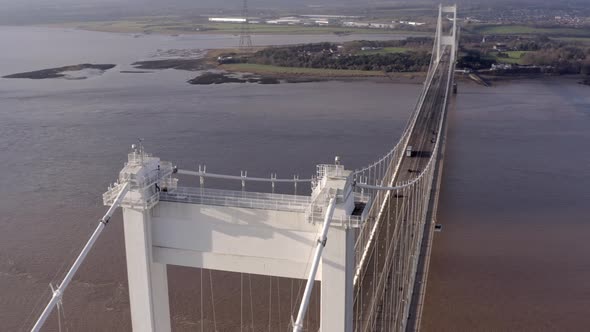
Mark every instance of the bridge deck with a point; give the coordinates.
(419, 291)
(422, 140)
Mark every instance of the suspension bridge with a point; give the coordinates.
(365, 235)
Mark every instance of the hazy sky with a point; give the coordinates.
(199, 3)
(253, 3)
(191, 3)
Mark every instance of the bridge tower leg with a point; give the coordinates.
(337, 281)
(337, 286)
(148, 281)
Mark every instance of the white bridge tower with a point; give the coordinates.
(238, 231)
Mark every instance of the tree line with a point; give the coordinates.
(330, 56)
(557, 56)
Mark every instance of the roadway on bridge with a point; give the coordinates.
(390, 230)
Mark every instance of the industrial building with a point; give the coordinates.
(227, 19)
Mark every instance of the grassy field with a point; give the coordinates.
(514, 57)
(171, 25)
(296, 29)
(582, 40)
(386, 50)
(529, 30)
(296, 71)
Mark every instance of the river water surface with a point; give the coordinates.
(513, 254)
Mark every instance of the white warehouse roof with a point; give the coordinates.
(227, 19)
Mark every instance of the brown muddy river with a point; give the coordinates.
(513, 255)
